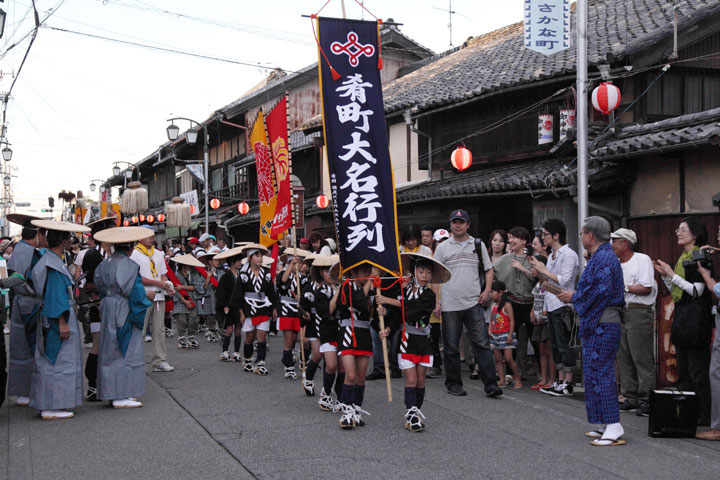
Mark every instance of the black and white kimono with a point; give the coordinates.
(415, 345)
(354, 313)
(255, 295)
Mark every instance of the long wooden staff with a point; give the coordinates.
(385, 352)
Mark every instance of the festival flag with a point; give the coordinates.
(278, 135)
(361, 174)
(265, 179)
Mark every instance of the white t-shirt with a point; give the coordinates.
(144, 261)
(639, 271)
(80, 256)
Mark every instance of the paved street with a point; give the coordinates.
(210, 419)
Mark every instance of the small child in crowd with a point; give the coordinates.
(502, 333)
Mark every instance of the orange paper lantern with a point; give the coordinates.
(134, 219)
(461, 158)
(243, 208)
(142, 217)
(161, 217)
(192, 209)
(150, 219)
(126, 223)
(322, 201)
(214, 203)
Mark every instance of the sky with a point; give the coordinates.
(81, 103)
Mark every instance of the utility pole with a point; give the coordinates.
(582, 120)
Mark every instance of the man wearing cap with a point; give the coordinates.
(304, 243)
(25, 308)
(205, 241)
(153, 271)
(193, 244)
(56, 384)
(635, 358)
(461, 305)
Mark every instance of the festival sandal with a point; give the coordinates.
(260, 369)
(595, 434)
(309, 387)
(608, 442)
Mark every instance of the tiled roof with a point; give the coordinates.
(499, 59)
(673, 133)
(535, 177)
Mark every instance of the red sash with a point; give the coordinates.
(173, 278)
(204, 273)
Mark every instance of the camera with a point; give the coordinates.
(705, 257)
(528, 251)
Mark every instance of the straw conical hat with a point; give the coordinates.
(291, 252)
(103, 224)
(326, 260)
(22, 219)
(440, 272)
(242, 244)
(232, 252)
(187, 259)
(60, 226)
(123, 234)
(255, 246)
(310, 257)
(335, 270)
(267, 261)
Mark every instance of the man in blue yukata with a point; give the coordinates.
(598, 300)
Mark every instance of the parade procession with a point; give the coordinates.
(388, 262)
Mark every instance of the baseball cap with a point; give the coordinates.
(459, 214)
(192, 240)
(625, 234)
(204, 237)
(305, 240)
(440, 234)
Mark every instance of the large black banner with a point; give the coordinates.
(361, 175)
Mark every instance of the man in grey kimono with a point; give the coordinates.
(25, 308)
(121, 365)
(56, 384)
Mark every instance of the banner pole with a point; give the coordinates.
(385, 352)
(294, 237)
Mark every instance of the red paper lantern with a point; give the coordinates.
(322, 201)
(150, 219)
(243, 208)
(606, 97)
(126, 223)
(192, 209)
(461, 158)
(214, 203)
(134, 219)
(161, 217)
(142, 217)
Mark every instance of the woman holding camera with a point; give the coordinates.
(515, 271)
(692, 327)
(714, 432)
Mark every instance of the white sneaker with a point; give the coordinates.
(6, 331)
(22, 401)
(163, 367)
(126, 403)
(56, 414)
(225, 356)
(148, 338)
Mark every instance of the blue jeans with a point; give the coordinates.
(560, 323)
(393, 345)
(452, 326)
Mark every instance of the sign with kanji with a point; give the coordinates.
(547, 25)
(361, 175)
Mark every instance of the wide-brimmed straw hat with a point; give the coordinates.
(22, 219)
(440, 274)
(335, 270)
(291, 252)
(103, 224)
(308, 259)
(267, 261)
(325, 260)
(242, 244)
(255, 246)
(60, 226)
(187, 259)
(122, 235)
(231, 252)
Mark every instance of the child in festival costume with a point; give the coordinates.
(254, 294)
(229, 317)
(184, 312)
(354, 344)
(288, 321)
(206, 306)
(502, 333)
(318, 304)
(415, 354)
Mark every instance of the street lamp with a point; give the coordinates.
(2, 22)
(173, 132)
(116, 171)
(6, 180)
(7, 153)
(93, 187)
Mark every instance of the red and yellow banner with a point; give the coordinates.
(265, 179)
(278, 132)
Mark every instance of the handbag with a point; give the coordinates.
(673, 414)
(686, 330)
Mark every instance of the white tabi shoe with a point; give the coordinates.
(22, 401)
(56, 414)
(126, 403)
